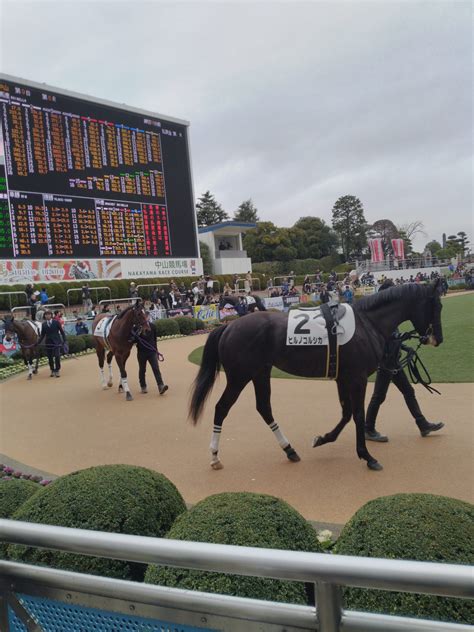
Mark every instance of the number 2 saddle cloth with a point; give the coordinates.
(327, 326)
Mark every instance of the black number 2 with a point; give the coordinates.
(299, 327)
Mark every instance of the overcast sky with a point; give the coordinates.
(291, 103)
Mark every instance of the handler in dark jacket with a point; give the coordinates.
(55, 338)
(390, 370)
(147, 351)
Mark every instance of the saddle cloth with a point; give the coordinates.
(307, 327)
(35, 326)
(102, 329)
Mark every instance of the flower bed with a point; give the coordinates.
(7, 473)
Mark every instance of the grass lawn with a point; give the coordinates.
(453, 361)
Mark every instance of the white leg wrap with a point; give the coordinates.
(125, 385)
(102, 377)
(110, 370)
(30, 368)
(278, 434)
(216, 435)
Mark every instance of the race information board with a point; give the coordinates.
(88, 180)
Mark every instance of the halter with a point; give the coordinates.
(416, 369)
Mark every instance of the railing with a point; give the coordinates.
(401, 264)
(40, 308)
(91, 289)
(230, 254)
(26, 590)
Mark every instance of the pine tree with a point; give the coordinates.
(209, 211)
(349, 223)
(247, 212)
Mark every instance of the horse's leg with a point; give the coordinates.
(29, 365)
(100, 351)
(357, 390)
(121, 360)
(262, 388)
(110, 356)
(225, 403)
(345, 399)
(37, 358)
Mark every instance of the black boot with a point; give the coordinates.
(162, 388)
(427, 427)
(374, 435)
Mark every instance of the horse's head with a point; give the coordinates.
(140, 317)
(427, 315)
(9, 326)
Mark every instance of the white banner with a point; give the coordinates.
(275, 302)
(160, 267)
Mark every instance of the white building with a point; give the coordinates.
(225, 244)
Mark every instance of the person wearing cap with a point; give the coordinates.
(81, 327)
(390, 370)
(133, 292)
(147, 352)
(53, 333)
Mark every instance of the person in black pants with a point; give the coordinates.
(147, 351)
(390, 370)
(55, 338)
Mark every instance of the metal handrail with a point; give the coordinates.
(10, 294)
(91, 289)
(447, 580)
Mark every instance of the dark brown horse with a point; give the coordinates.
(28, 335)
(119, 342)
(248, 347)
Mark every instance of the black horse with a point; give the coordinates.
(253, 302)
(248, 348)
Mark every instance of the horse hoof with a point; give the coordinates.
(291, 454)
(374, 465)
(217, 465)
(129, 396)
(317, 441)
(30, 376)
(35, 371)
(110, 384)
(104, 387)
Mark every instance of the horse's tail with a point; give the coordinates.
(206, 377)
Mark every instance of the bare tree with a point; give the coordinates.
(413, 228)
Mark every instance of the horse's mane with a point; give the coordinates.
(408, 291)
(125, 311)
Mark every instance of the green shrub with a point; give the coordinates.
(230, 318)
(16, 356)
(167, 327)
(411, 527)
(242, 519)
(76, 343)
(88, 341)
(6, 361)
(186, 325)
(110, 498)
(200, 324)
(13, 493)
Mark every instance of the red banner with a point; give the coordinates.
(398, 246)
(376, 250)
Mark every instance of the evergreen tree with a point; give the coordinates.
(349, 223)
(247, 212)
(209, 211)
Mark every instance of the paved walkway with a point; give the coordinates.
(63, 425)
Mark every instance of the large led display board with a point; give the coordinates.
(88, 180)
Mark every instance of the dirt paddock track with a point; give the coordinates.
(71, 423)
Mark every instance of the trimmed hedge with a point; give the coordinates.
(76, 344)
(110, 498)
(243, 519)
(186, 325)
(13, 493)
(200, 324)
(421, 527)
(167, 327)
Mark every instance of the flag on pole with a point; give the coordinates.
(376, 250)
